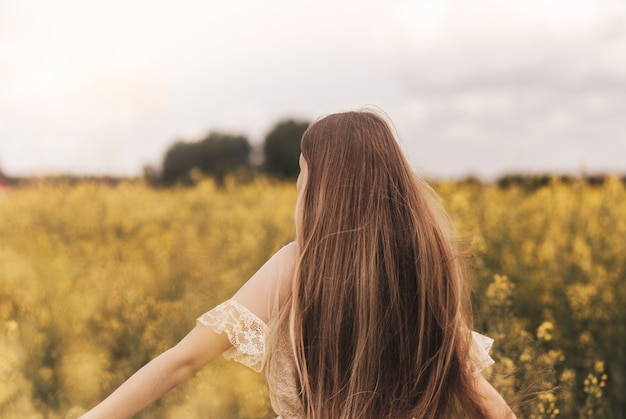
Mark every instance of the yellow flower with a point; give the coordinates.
(544, 331)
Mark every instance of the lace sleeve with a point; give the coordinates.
(244, 329)
(479, 352)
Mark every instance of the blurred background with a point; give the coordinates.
(515, 110)
(480, 87)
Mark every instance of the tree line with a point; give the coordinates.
(219, 154)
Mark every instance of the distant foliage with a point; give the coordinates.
(4, 181)
(281, 149)
(533, 182)
(217, 155)
(103, 277)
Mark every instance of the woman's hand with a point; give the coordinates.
(162, 374)
(493, 403)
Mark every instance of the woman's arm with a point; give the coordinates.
(162, 374)
(200, 346)
(493, 402)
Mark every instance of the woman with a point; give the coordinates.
(366, 315)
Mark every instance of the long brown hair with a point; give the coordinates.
(380, 315)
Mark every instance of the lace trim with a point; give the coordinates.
(247, 333)
(244, 329)
(479, 352)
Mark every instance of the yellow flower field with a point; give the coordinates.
(95, 280)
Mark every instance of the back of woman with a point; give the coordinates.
(366, 315)
(379, 317)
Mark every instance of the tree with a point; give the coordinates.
(281, 148)
(3, 179)
(216, 155)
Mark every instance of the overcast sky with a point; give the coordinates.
(473, 86)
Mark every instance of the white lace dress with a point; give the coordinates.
(248, 334)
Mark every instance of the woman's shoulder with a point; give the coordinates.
(270, 286)
(288, 253)
(280, 265)
(285, 260)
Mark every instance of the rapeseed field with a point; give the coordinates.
(96, 280)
